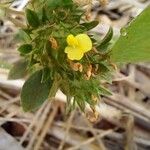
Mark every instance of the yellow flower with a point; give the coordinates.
(77, 46)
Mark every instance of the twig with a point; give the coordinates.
(131, 105)
(12, 100)
(128, 124)
(68, 126)
(39, 125)
(46, 127)
(13, 11)
(35, 119)
(61, 124)
(73, 138)
(9, 116)
(14, 120)
(100, 143)
(16, 22)
(90, 140)
(5, 95)
(131, 90)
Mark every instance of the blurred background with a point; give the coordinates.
(124, 117)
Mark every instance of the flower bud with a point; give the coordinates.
(89, 72)
(76, 66)
(54, 43)
(92, 115)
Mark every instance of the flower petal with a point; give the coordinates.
(67, 49)
(73, 53)
(84, 41)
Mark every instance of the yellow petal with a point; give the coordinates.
(73, 53)
(67, 49)
(84, 42)
(71, 40)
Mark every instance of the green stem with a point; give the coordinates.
(55, 86)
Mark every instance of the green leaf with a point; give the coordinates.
(23, 36)
(19, 69)
(104, 91)
(59, 3)
(34, 92)
(103, 46)
(55, 85)
(103, 68)
(45, 74)
(32, 18)
(44, 15)
(32, 61)
(50, 51)
(134, 43)
(70, 105)
(25, 48)
(27, 31)
(80, 102)
(90, 25)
